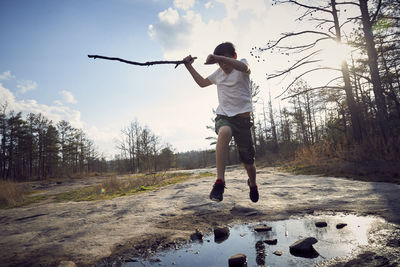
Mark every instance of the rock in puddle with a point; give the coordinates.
(271, 241)
(197, 235)
(303, 248)
(221, 234)
(321, 224)
(278, 253)
(341, 225)
(237, 260)
(262, 228)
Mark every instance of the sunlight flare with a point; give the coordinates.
(334, 53)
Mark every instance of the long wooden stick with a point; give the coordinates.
(149, 63)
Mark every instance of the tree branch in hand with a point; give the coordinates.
(149, 63)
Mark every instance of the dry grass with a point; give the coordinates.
(117, 187)
(11, 193)
(18, 194)
(372, 160)
(113, 184)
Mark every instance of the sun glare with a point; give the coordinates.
(334, 53)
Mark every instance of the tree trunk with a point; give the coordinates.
(374, 71)
(273, 125)
(354, 114)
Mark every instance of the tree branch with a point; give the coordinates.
(347, 3)
(149, 63)
(306, 6)
(302, 48)
(301, 75)
(378, 8)
(298, 63)
(311, 89)
(391, 17)
(287, 35)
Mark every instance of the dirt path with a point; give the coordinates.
(86, 232)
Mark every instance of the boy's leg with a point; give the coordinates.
(222, 150)
(245, 145)
(251, 172)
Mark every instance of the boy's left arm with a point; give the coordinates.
(236, 64)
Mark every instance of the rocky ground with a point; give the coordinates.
(101, 232)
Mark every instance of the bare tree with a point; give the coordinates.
(307, 64)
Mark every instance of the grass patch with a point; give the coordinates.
(14, 195)
(11, 193)
(117, 187)
(27, 201)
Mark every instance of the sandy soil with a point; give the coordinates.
(90, 233)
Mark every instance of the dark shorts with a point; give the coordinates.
(240, 127)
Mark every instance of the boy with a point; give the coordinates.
(233, 112)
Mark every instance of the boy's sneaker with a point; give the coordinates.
(217, 191)
(253, 192)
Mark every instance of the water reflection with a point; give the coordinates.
(332, 242)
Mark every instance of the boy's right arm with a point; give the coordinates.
(196, 76)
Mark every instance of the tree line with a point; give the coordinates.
(141, 150)
(34, 148)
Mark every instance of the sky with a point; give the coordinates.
(44, 66)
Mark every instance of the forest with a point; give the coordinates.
(353, 117)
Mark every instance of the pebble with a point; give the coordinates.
(321, 224)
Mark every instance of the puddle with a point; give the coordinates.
(332, 242)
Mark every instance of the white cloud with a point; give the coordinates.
(6, 76)
(209, 5)
(68, 97)
(172, 30)
(184, 4)
(6, 96)
(54, 113)
(170, 16)
(26, 86)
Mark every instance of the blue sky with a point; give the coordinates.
(44, 65)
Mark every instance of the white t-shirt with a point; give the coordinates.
(234, 95)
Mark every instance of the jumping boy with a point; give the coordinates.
(233, 113)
